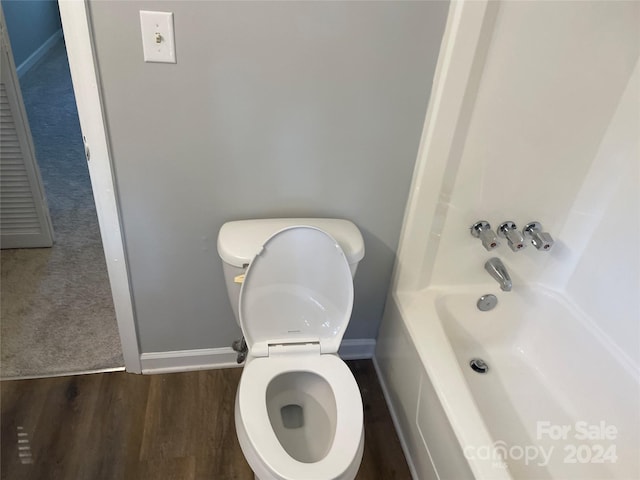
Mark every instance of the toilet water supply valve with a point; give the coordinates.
(240, 346)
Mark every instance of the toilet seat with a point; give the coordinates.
(298, 289)
(347, 440)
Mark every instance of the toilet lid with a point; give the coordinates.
(298, 289)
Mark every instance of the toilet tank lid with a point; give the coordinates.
(239, 241)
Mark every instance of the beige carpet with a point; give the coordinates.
(56, 311)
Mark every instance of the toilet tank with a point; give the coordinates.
(239, 241)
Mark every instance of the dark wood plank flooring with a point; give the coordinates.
(172, 426)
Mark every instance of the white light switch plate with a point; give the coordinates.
(158, 43)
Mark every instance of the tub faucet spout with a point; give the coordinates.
(497, 270)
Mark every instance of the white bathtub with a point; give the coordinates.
(557, 402)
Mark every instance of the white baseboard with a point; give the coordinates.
(396, 423)
(225, 357)
(25, 66)
(188, 360)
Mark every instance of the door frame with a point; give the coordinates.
(76, 28)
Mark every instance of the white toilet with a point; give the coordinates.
(298, 408)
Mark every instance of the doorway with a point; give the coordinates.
(57, 311)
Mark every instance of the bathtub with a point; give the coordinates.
(558, 400)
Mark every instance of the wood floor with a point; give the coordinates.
(173, 426)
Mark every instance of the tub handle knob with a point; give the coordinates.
(509, 231)
(539, 239)
(482, 230)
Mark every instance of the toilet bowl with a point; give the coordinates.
(300, 418)
(298, 410)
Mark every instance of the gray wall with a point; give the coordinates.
(30, 24)
(273, 109)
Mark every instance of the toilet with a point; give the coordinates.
(298, 410)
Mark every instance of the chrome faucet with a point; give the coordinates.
(497, 270)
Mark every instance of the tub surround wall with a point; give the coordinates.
(272, 110)
(552, 119)
(543, 107)
(604, 228)
(533, 117)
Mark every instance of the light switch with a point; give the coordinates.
(158, 43)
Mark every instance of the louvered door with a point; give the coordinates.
(24, 216)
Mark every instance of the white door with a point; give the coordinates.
(24, 215)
